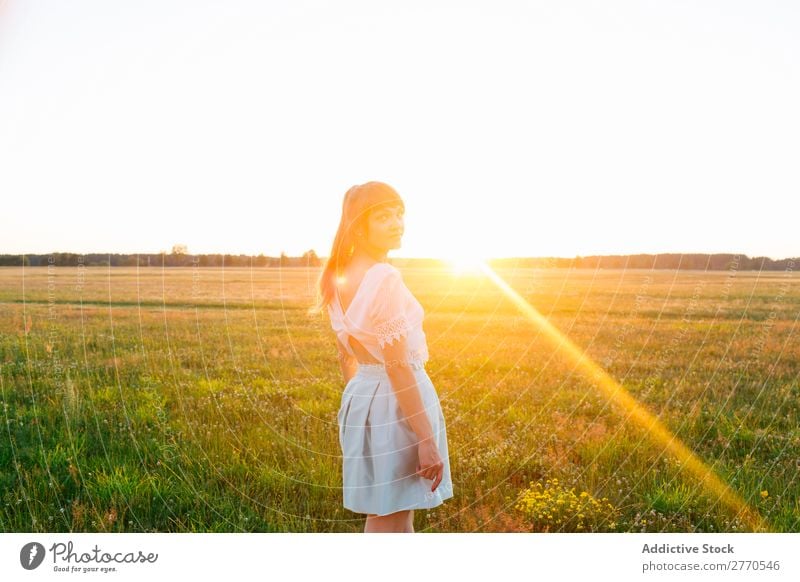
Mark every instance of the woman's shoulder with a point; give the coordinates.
(384, 267)
(380, 271)
(379, 278)
(371, 274)
(386, 274)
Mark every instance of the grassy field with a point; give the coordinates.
(205, 400)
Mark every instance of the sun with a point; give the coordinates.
(466, 264)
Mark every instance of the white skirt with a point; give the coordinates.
(379, 447)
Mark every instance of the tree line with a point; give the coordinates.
(179, 257)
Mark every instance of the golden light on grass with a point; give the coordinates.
(632, 408)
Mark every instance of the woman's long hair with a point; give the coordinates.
(359, 202)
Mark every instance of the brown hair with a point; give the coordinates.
(359, 202)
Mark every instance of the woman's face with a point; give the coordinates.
(385, 227)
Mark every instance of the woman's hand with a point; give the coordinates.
(430, 464)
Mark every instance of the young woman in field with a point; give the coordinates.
(391, 427)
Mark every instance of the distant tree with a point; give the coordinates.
(180, 250)
(310, 259)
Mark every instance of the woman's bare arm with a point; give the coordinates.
(404, 384)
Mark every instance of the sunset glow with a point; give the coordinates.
(466, 265)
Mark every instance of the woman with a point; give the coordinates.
(391, 427)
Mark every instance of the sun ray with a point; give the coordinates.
(615, 392)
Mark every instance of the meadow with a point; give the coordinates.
(205, 400)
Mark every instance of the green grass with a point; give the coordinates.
(205, 400)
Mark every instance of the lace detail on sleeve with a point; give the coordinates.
(389, 309)
(391, 330)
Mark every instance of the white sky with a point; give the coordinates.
(509, 128)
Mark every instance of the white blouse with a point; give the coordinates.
(382, 310)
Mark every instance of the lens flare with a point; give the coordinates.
(630, 407)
